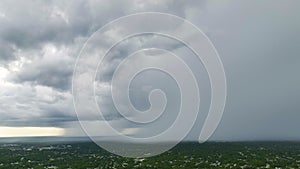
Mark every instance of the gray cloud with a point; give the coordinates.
(53, 67)
(39, 42)
(258, 43)
(31, 24)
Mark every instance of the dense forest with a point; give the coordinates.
(185, 156)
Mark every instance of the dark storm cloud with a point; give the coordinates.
(258, 43)
(39, 42)
(34, 105)
(6, 52)
(56, 75)
(258, 50)
(130, 45)
(32, 23)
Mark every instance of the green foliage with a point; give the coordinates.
(183, 156)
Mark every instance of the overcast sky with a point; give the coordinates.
(258, 43)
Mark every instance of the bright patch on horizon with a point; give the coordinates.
(30, 131)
